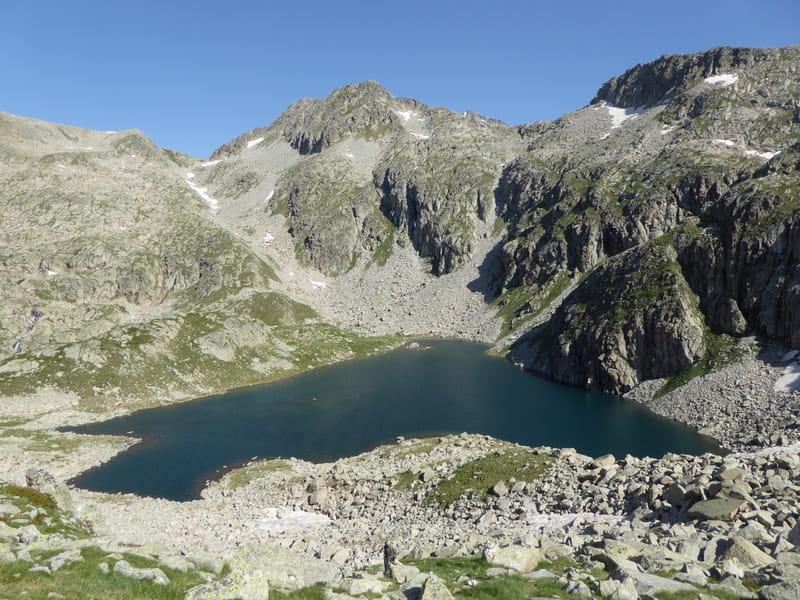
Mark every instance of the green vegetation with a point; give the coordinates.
(44, 441)
(456, 571)
(40, 510)
(384, 250)
(721, 350)
(476, 477)
(306, 593)
(83, 579)
(416, 447)
(241, 477)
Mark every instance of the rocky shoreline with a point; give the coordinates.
(710, 523)
(737, 405)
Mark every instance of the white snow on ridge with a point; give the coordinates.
(255, 142)
(764, 155)
(270, 196)
(210, 163)
(620, 115)
(746, 151)
(202, 192)
(723, 80)
(405, 114)
(318, 284)
(281, 519)
(421, 136)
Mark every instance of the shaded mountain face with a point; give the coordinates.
(629, 238)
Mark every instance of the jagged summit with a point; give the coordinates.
(658, 81)
(311, 125)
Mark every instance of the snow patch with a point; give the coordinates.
(318, 284)
(270, 196)
(60, 166)
(564, 521)
(789, 381)
(405, 114)
(255, 142)
(620, 115)
(268, 238)
(791, 449)
(665, 130)
(723, 80)
(280, 520)
(421, 136)
(764, 155)
(210, 163)
(51, 273)
(746, 151)
(605, 135)
(349, 155)
(202, 192)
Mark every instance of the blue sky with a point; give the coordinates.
(194, 75)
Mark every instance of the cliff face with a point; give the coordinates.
(700, 158)
(628, 236)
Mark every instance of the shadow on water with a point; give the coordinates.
(345, 409)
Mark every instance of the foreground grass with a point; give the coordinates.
(84, 579)
(467, 578)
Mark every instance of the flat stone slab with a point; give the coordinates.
(716, 509)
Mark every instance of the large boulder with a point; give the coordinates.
(44, 482)
(435, 589)
(717, 509)
(746, 552)
(283, 568)
(238, 585)
(519, 558)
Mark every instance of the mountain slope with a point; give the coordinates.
(624, 242)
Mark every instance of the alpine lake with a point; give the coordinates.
(442, 387)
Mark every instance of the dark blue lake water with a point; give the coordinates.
(351, 407)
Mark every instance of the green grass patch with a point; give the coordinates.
(30, 496)
(83, 579)
(307, 593)
(417, 447)
(450, 569)
(506, 587)
(49, 518)
(44, 441)
(241, 477)
(406, 480)
(382, 253)
(478, 476)
(512, 587)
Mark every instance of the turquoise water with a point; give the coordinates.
(352, 407)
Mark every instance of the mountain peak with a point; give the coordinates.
(656, 81)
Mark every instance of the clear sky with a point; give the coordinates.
(195, 74)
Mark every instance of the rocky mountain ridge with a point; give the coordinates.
(625, 242)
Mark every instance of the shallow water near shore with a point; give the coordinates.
(445, 386)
